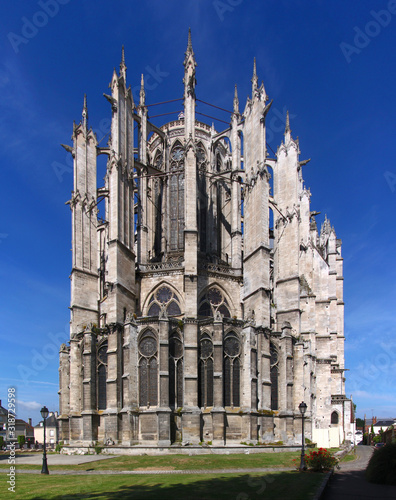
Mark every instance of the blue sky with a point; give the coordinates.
(331, 64)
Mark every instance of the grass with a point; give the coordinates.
(350, 457)
(177, 462)
(279, 485)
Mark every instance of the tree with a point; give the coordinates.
(359, 422)
(21, 441)
(1, 442)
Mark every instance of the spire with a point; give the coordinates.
(189, 70)
(254, 79)
(85, 113)
(236, 101)
(122, 64)
(189, 51)
(142, 92)
(189, 44)
(287, 128)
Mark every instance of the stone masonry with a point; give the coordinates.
(205, 305)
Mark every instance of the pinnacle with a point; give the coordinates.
(122, 64)
(254, 78)
(236, 100)
(142, 92)
(189, 44)
(287, 128)
(85, 112)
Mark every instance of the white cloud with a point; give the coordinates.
(28, 405)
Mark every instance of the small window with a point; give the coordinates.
(334, 418)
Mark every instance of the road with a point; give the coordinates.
(350, 482)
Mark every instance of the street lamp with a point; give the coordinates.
(44, 413)
(303, 408)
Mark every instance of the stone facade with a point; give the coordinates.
(205, 306)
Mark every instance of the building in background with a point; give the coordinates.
(51, 430)
(17, 427)
(205, 304)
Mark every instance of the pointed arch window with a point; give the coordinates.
(274, 377)
(176, 198)
(232, 370)
(205, 376)
(214, 301)
(159, 159)
(175, 371)
(166, 298)
(157, 218)
(334, 418)
(148, 369)
(102, 376)
(202, 196)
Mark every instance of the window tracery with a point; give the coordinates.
(165, 298)
(148, 370)
(102, 376)
(214, 301)
(274, 376)
(232, 367)
(205, 380)
(176, 198)
(159, 159)
(175, 371)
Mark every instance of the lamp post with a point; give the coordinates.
(303, 408)
(44, 413)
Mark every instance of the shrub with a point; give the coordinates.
(320, 460)
(382, 465)
(21, 441)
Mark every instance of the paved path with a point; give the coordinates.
(349, 482)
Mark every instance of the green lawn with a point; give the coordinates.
(178, 462)
(279, 485)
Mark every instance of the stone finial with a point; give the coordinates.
(122, 64)
(163, 314)
(236, 101)
(142, 92)
(189, 52)
(254, 78)
(287, 128)
(189, 44)
(85, 113)
(130, 318)
(218, 318)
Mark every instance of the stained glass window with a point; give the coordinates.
(212, 302)
(102, 376)
(176, 198)
(232, 349)
(205, 380)
(274, 377)
(148, 370)
(164, 297)
(175, 371)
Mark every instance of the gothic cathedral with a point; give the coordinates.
(205, 304)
